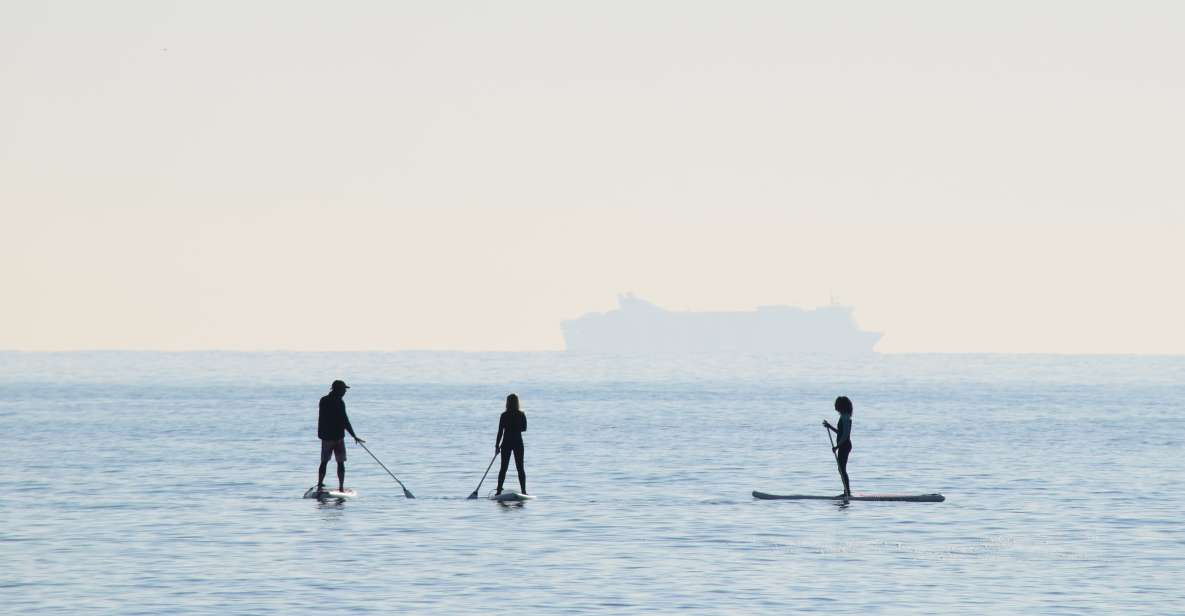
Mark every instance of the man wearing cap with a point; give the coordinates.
(332, 425)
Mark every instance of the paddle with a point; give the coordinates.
(483, 477)
(833, 454)
(832, 441)
(376, 459)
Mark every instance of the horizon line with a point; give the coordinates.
(585, 353)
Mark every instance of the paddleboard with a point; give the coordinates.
(909, 498)
(511, 497)
(313, 492)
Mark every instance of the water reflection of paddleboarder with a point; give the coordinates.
(332, 425)
(511, 426)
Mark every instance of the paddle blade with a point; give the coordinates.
(407, 493)
(472, 496)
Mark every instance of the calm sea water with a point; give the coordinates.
(150, 483)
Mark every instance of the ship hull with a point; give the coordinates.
(639, 327)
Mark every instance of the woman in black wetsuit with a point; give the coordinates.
(511, 426)
(843, 436)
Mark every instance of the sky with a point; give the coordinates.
(971, 177)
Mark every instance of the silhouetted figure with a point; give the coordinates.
(332, 425)
(843, 436)
(511, 426)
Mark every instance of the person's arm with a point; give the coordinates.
(524, 422)
(350, 428)
(829, 426)
(501, 429)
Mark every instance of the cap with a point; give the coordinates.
(339, 385)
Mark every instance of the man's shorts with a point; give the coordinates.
(334, 448)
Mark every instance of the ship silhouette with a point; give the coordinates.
(637, 326)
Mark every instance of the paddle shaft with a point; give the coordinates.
(406, 492)
(483, 476)
(833, 454)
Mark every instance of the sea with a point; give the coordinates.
(172, 483)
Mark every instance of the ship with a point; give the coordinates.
(638, 326)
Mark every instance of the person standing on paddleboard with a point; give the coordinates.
(843, 437)
(332, 425)
(511, 426)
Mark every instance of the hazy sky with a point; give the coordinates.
(1003, 176)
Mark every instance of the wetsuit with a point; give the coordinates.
(844, 432)
(511, 426)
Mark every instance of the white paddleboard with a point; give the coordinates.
(908, 498)
(511, 497)
(313, 492)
